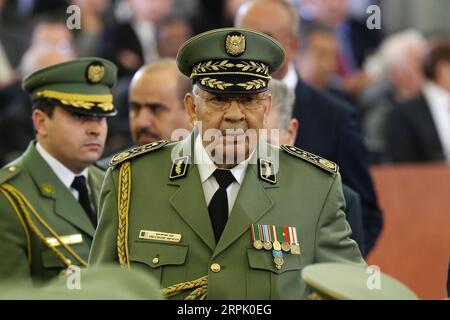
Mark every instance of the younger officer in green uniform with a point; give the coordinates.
(235, 218)
(48, 196)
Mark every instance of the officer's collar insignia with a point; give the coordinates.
(95, 72)
(235, 44)
(125, 155)
(267, 171)
(47, 188)
(179, 167)
(312, 158)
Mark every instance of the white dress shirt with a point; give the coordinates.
(62, 172)
(439, 102)
(146, 33)
(206, 168)
(291, 77)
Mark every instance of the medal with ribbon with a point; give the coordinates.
(277, 239)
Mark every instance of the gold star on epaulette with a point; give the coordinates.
(312, 158)
(125, 155)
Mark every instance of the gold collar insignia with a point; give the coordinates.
(179, 167)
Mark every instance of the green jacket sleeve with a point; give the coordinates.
(14, 263)
(104, 246)
(333, 243)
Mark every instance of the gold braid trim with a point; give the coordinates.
(25, 229)
(230, 73)
(201, 285)
(75, 96)
(123, 207)
(314, 296)
(77, 100)
(23, 203)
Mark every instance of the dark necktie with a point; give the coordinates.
(79, 184)
(218, 207)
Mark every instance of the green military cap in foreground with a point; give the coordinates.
(350, 282)
(230, 60)
(82, 85)
(106, 282)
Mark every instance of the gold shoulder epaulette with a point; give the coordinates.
(125, 155)
(312, 158)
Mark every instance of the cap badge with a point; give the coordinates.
(95, 72)
(235, 44)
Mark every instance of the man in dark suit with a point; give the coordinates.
(120, 44)
(328, 127)
(132, 43)
(280, 117)
(418, 130)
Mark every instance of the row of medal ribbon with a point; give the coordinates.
(277, 239)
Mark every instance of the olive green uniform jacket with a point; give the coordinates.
(304, 195)
(23, 252)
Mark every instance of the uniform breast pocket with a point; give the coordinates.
(162, 260)
(265, 281)
(51, 264)
(51, 261)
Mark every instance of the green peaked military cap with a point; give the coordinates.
(105, 282)
(353, 282)
(230, 60)
(81, 85)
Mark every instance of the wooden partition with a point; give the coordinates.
(414, 246)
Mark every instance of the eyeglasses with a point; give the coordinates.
(223, 102)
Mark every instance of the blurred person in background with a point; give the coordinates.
(318, 59)
(172, 32)
(51, 42)
(419, 130)
(355, 40)
(155, 107)
(229, 11)
(132, 43)
(88, 36)
(279, 117)
(14, 32)
(400, 79)
(330, 127)
(156, 102)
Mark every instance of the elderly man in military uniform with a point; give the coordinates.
(48, 195)
(223, 214)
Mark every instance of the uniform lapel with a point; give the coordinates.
(252, 202)
(64, 203)
(188, 199)
(95, 183)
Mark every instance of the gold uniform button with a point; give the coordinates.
(12, 169)
(215, 267)
(155, 260)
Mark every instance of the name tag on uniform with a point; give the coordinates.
(69, 239)
(158, 235)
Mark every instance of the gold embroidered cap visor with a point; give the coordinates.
(82, 85)
(230, 60)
